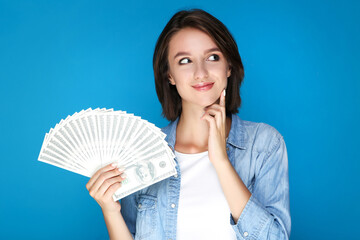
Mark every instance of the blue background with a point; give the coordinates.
(302, 76)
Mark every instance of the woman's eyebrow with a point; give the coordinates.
(181, 54)
(215, 49)
(205, 52)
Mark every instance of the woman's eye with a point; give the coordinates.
(214, 57)
(184, 61)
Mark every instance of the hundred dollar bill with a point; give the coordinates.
(144, 173)
(90, 139)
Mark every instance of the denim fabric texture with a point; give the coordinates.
(258, 153)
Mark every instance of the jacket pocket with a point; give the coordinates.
(146, 216)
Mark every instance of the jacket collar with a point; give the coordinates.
(237, 135)
(170, 131)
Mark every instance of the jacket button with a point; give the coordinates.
(139, 206)
(227, 148)
(173, 205)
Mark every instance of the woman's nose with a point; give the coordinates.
(200, 71)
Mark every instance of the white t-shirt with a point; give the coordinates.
(203, 212)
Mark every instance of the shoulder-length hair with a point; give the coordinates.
(196, 18)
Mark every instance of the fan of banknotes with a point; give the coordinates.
(90, 139)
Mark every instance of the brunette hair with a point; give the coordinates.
(199, 19)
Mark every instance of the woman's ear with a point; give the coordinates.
(171, 79)
(228, 74)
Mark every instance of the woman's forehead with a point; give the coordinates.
(190, 40)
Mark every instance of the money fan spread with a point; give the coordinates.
(93, 138)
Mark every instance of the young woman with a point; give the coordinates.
(232, 175)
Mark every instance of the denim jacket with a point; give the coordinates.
(258, 153)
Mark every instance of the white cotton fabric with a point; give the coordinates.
(203, 212)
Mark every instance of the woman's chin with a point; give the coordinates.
(209, 102)
(202, 102)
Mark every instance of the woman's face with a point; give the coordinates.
(197, 67)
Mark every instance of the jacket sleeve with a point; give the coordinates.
(267, 213)
(129, 212)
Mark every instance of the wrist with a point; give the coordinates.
(111, 213)
(222, 164)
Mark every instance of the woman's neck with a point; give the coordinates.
(192, 133)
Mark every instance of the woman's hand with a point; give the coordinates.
(235, 191)
(215, 115)
(103, 184)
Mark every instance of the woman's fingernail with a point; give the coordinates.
(114, 164)
(123, 175)
(121, 169)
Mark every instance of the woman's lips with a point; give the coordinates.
(203, 86)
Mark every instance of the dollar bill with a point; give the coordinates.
(90, 139)
(145, 173)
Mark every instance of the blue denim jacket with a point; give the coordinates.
(258, 153)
